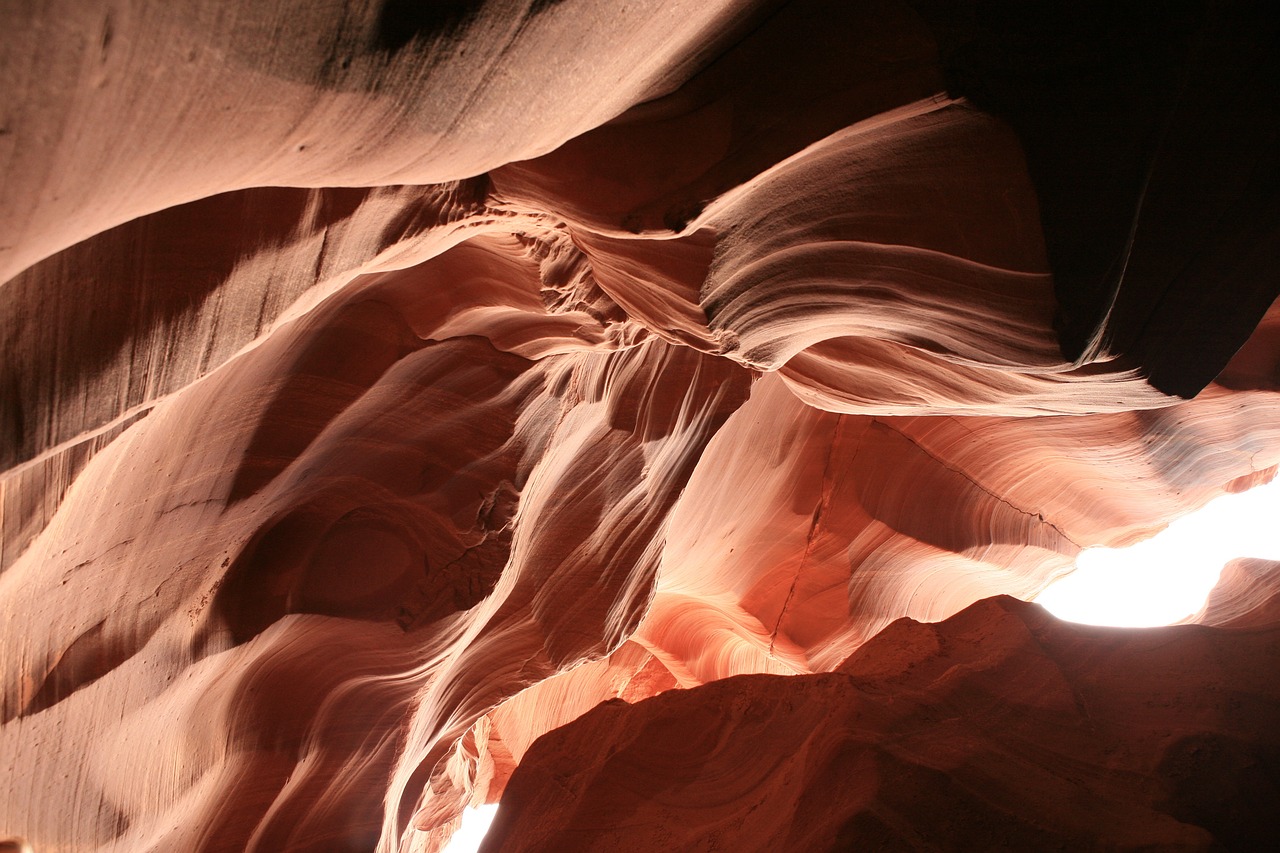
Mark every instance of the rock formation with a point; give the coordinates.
(386, 385)
(994, 730)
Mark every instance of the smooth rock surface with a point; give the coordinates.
(384, 385)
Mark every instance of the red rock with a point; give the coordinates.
(999, 728)
(384, 385)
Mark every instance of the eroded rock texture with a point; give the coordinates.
(993, 730)
(387, 384)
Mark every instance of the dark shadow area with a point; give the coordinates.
(332, 368)
(403, 21)
(1227, 785)
(789, 75)
(1150, 132)
(129, 288)
(89, 657)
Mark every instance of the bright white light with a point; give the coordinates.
(475, 823)
(1169, 576)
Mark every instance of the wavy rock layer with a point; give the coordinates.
(385, 385)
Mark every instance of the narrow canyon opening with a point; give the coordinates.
(470, 834)
(1166, 579)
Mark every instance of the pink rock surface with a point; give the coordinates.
(386, 385)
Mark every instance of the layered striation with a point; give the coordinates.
(384, 386)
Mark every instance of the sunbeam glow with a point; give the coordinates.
(1168, 577)
(475, 823)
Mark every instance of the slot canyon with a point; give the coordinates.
(657, 417)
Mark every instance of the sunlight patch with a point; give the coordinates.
(1168, 577)
(475, 823)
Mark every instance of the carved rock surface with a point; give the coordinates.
(1000, 728)
(384, 385)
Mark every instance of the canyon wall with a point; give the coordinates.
(387, 385)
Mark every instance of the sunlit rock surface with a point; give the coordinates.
(385, 385)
